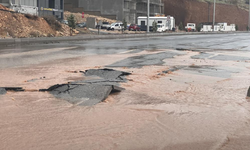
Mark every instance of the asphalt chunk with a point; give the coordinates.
(146, 60)
(90, 92)
(248, 92)
(107, 74)
(83, 94)
(2, 91)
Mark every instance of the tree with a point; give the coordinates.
(124, 24)
(181, 27)
(198, 27)
(236, 27)
(154, 24)
(72, 21)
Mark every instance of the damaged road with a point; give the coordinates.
(85, 92)
(90, 92)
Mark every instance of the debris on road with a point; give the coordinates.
(109, 74)
(83, 94)
(248, 92)
(2, 91)
(90, 92)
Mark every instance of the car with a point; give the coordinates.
(116, 26)
(134, 27)
(105, 25)
(81, 25)
(65, 22)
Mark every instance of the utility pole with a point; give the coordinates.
(249, 17)
(214, 16)
(148, 17)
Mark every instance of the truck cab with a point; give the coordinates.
(161, 28)
(190, 27)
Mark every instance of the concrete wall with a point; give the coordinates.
(106, 7)
(58, 9)
(25, 2)
(117, 9)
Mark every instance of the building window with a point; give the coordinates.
(51, 3)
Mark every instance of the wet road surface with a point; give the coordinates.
(184, 92)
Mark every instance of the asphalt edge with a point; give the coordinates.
(46, 40)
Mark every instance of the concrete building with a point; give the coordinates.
(44, 7)
(116, 9)
(51, 7)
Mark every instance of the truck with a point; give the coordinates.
(163, 23)
(223, 27)
(190, 27)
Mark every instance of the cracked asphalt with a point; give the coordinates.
(168, 92)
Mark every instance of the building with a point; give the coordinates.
(51, 7)
(116, 9)
(43, 7)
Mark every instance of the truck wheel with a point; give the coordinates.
(112, 29)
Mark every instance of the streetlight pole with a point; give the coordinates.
(148, 17)
(249, 17)
(214, 16)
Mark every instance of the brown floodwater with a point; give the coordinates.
(200, 106)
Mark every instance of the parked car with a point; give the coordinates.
(105, 25)
(65, 22)
(134, 27)
(116, 26)
(82, 25)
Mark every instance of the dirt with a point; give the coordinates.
(14, 25)
(79, 19)
(187, 11)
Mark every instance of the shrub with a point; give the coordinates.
(54, 24)
(154, 26)
(32, 17)
(34, 34)
(236, 27)
(198, 27)
(125, 24)
(181, 27)
(72, 21)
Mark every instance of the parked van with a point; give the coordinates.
(116, 26)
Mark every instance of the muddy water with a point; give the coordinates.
(202, 105)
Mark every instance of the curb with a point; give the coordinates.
(46, 40)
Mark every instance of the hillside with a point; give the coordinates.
(240, 3)
(197, 12)
(14, 25)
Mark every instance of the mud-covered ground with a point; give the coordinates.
(184, 92)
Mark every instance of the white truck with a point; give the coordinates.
(116, 26)
(223, 27)
(163, 23)
(191, 27)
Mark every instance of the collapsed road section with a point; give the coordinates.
(85, 92)
(90, 92)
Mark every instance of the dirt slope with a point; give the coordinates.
(79, 19)
(193, 11)
(13, 25)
